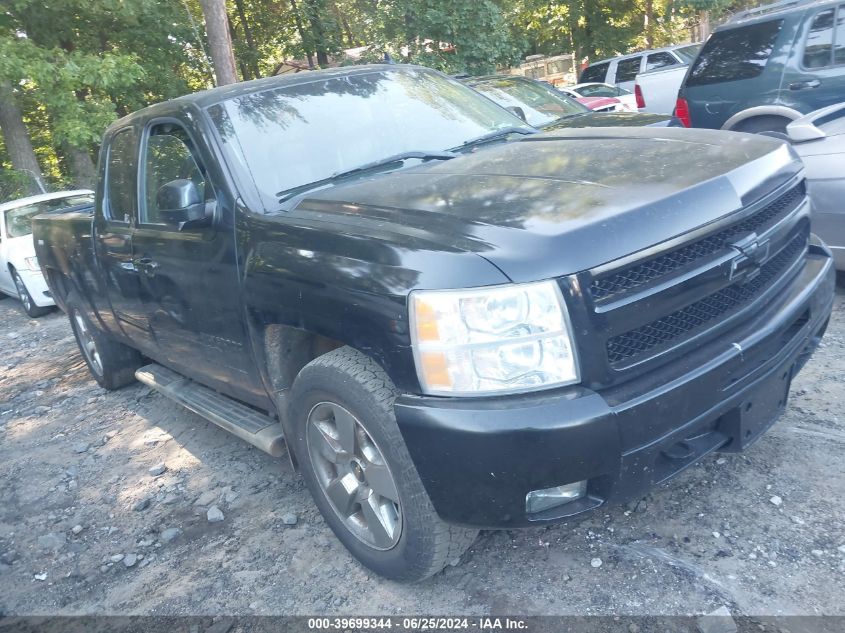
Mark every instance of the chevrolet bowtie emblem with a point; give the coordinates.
(750, 255)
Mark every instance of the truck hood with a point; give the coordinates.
(559, 202)
(612, 119)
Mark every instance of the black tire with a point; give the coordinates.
(32, 310)
(761, 124)
(347, 378)
(112, 364)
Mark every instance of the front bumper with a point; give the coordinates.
(478, 458)
(37, 287)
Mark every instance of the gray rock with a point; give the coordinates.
(129, 560)
(143, 504)
(214, 515)
(596, 562)
(76, 529)
(718, 621)
(116, 558)
(169, 534)
(776, 501)
(9, 556)
(289, 518)
(206, 498)
(158, 469)
(52, 541)
(80, 448)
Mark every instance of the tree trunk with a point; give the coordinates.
(83, 171)
(649, 24)
(219, 41)
(250, 40)
(16, 139)
(301, 30)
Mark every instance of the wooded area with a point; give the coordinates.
(69, 69)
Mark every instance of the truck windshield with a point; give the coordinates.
(291, 136)
(19, 220)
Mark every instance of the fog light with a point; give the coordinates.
(540, 500)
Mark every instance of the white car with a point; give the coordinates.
(626, 97)
(20, 275)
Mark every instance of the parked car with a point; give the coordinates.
(544, 106)
(20, 275)
(623, 70)
(657, 90)
(768, 67)
(452, 320)
(626, 97)
(819, 139)
(595, 104)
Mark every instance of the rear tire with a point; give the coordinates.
(112, 364)
(403, 539)
(32, 310)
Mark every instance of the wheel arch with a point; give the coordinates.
(761, 111)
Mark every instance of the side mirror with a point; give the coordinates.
(518, 112)
(180, 204)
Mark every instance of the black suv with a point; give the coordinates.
(767, 67)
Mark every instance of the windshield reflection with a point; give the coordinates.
(303, 133)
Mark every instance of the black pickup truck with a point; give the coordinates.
(452, 320)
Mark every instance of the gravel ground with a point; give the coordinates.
(89, 526)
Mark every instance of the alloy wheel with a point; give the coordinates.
(354, 475)
(22, 293)
(88, 344)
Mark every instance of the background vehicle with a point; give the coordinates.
(595, 104)
(558, 70)
(623, 70)
(456, 321)
(657, 90)
(626, 97)
(20, 275)
(545, 106)
(819, 139)
(767, 67)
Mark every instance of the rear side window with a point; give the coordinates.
(596, 73)
(120, 177)
(628, 69)
(659, 60)
(825, 44)
(735, 54)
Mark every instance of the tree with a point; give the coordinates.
(220, 41)
(16, 139)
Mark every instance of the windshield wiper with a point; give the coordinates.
(375, 165)
(495, 135)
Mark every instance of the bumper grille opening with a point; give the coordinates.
(647, 271)
(687, 321)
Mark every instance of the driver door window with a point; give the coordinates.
(169, 156)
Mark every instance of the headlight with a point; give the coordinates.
(31, 263)
(502, 339)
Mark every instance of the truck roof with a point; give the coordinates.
(206, 98)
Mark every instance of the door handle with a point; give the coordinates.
(804, 85)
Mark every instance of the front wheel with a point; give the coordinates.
(356, 465)
(112, 364)
(29, 306)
